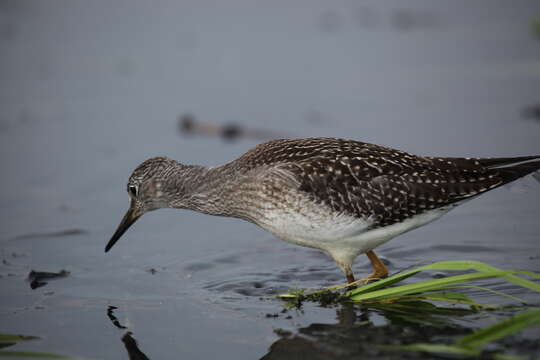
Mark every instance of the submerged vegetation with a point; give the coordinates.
(7, 340)
(472, 345)
(420, 301)
(535, 26)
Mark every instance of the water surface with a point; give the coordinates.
(91, 89)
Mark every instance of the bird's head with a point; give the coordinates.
(149, 187)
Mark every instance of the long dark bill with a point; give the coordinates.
(128, 220)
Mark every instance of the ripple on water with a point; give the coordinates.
(256, 273)
(244, 276)
(271, 283)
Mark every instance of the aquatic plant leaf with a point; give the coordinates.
(481, 267)
(443, 296)
(460, 265)
(496, 292)
(13, 339)
(437, 349)
(448, 297)
(293, 293)
(416, 307)
(531, 285)
(423, 290)
(452, 350)
(420, 312)
(528, 273)
(32, 355)
(516, 323)
(535, 26)
(365, 288)
(441, 265)
(423, 286)
(471, 345)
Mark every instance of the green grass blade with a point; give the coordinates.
(365, 288)
(528, 273)
(445, 296)
(531, 285)
(451, 350)
(13, 339)
(458, 265)
(535, 26)
(449, 297)
(437, 349)
(420, 312)
(463, 265)
(423, 286)
(516, 323)
(32, 355)
(496, 292)
(380, 290)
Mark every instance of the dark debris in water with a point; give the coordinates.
(188, 124)
(37, 278)
(531, 112)
(13, 255)
(323, 299)
(39, 235)
(366, 17)
(113, 318)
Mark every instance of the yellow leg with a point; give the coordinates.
(380, 271)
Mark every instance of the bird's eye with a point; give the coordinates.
(132, 190)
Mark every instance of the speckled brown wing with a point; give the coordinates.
(380, 183)
(318, 150)
(389, 192)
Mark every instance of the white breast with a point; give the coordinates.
(343, 236)
(313, 229)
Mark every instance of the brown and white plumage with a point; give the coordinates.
(388, 185)
(342, 196)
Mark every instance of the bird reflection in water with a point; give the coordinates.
(362, 333)
(130, 343)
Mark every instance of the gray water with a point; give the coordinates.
(89, 89)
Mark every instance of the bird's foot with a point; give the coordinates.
(371, 278)
(376, 276)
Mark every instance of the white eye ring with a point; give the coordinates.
(132, 189)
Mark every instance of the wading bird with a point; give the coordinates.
(341, 196)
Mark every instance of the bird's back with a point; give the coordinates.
(382, 184)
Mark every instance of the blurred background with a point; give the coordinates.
(89, 89)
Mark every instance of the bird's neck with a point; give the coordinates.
(206, 189)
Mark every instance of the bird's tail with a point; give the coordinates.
(497, 162)
(513, 172)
